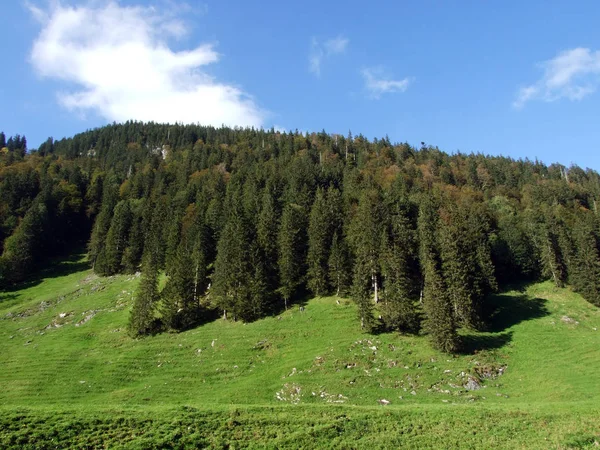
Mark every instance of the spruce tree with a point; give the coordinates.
(135, 245)
(292, 250)
(231, 278)
(102, 225)
(142, 319)
(116, 239)
(179, 310)
(400, 269)
(439, 317)
(339, 265)
(319, 236)
(365, 235)
(266, 235)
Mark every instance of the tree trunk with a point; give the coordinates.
(375, 286)
(196, 283)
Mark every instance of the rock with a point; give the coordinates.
(413, 393)
(383, 402)
(570, 321)
(472, 384)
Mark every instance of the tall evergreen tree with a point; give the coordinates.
(116, 239)
(365, 233)
(400, 269)
(292, 250)
(179, 310)
(319, 236)
(97, 243)
(436, 304)
(339, 265)
(142, 316)
(231, 278)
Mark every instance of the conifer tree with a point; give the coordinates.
(436, 304)
(339, 265)
(102, 224)
(365, 235)
(231, 278)
(179, 310)
(116, 239)
(142, 319)
(586, 265)
(400, 269)
(135, 245)
(319, 236)
(266, 234)
(292, 250)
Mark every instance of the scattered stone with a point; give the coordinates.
(289, 393)
(373, 348)
(383, 402)
(569, 320)
(87, 317)
(413, 393)
(261, 345)
(447, 371)
(490, 371)
(472, 384)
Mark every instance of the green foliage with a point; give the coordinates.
(319, 236)
(292, 250)
(142, 317)
(299, 211)
(439, 316)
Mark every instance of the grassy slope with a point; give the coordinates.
(300, 375)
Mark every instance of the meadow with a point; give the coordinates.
(71, 376)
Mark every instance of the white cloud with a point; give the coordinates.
(572, 74)
(119, 60)
(377, 83)
(321, 51)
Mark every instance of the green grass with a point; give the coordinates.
(301, 379)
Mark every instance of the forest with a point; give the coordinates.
(249, 222)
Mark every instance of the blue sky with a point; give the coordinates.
(513, 78)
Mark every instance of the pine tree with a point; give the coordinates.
(365, 235)
(436, 304)
(116, 239)
(22, 248)
(142, 319)
(586, 265)
(292, 251)
(179, 310)
(318, 245)
(266, 234)
(399, 269)
(231, 278)
(102, 225)
(135, 245)
(339, 265)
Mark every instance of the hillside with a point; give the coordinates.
(69, 371)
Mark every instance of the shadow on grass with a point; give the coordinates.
(56, 267)
(504, 311)
(472, 343)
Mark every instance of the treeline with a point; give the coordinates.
(248, 221)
